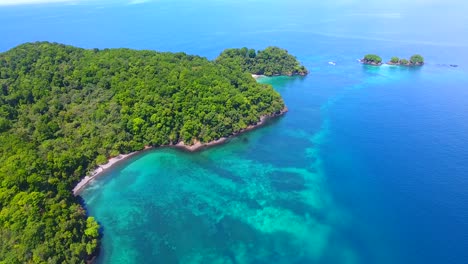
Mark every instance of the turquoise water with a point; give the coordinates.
(370, 165)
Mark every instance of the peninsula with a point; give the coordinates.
(272, 61)
(65, 110)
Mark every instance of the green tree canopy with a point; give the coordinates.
(372, 58)
(270, 61)
(417, 59)
(394, 60)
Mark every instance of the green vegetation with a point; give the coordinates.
(270, 62)
(395, 60)
(404, 62)
(417, 59)
(372, 59)
(65, 109)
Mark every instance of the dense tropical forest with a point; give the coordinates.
(63, 110)
(271, 61)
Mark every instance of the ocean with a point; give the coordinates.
(370, 164)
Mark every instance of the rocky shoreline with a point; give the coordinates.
(367, 62)
(404, 64)
(391, 63)
(181, 145)
(258, 76)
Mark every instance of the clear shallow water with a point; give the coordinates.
(370, 165)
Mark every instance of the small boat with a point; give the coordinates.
(332, 63)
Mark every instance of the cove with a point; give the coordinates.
(235, 203)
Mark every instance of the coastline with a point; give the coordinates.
(180, 145)
(371, 63)
(100, 169)
(257, 76)
(405, 64)
(366, 62)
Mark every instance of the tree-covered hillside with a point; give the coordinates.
(65, 109)
(271, 61)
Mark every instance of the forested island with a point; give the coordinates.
(372, 59)
(64, 110)
(415, 60)
(272, 61)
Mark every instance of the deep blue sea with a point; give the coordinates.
(370, 165)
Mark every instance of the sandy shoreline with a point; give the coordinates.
(192, 148)
(256, 76)
(100, 169)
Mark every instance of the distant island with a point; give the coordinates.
(372, 59)
(64, 110)
(272, 61)
(415, 60)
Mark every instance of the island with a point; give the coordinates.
(272, 61)
(65, 110)
(372, 59)
(375, 60)
(415, 60)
